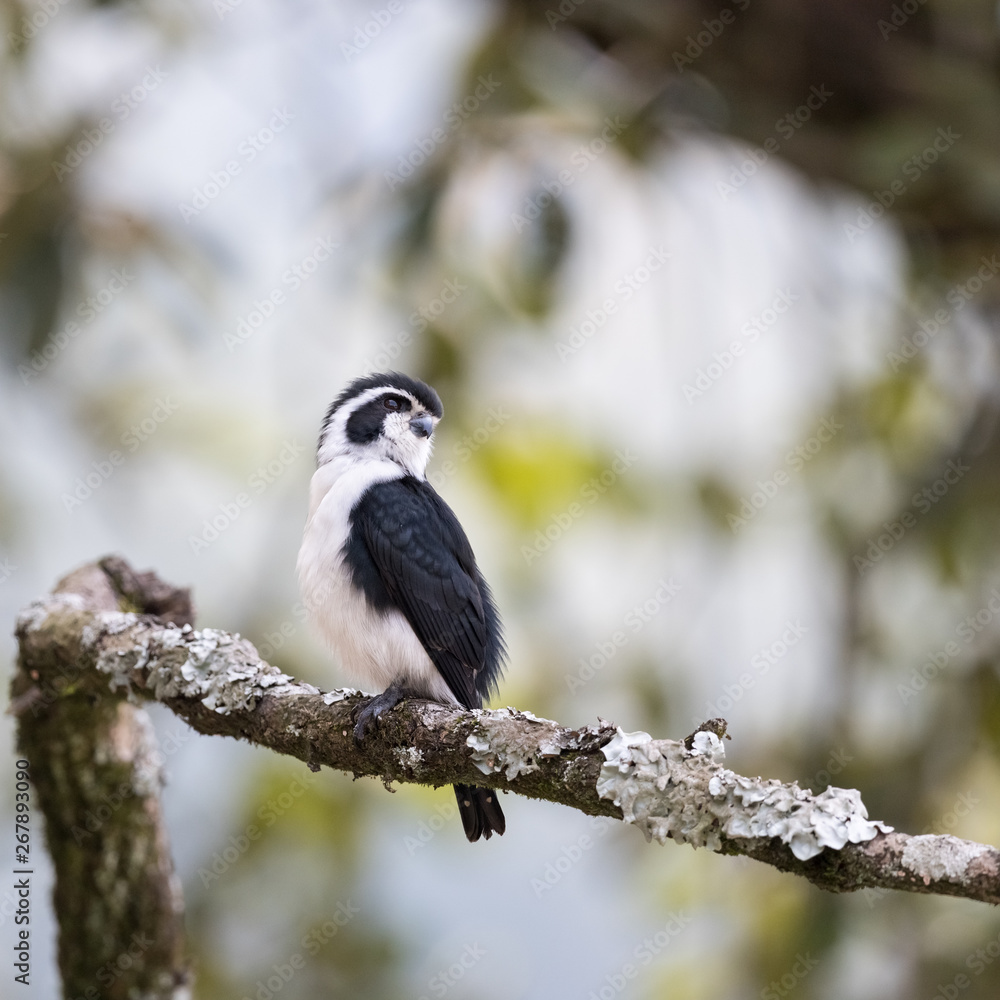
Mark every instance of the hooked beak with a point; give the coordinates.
(422, 425)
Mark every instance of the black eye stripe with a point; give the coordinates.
(365, 424)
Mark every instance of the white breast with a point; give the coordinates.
(375, 649)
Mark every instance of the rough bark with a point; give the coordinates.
(95, 772)
(84, 663)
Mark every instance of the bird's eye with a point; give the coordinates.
(390, 403)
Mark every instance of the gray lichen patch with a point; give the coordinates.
(707, 744)
(932, 858)
(34, 615)
(669, 792)
(222, 671)
(502, 742)
(340, 694)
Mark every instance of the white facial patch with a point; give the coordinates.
(397, 442)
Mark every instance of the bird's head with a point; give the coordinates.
(383, 416)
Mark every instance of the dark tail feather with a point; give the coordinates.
(480, 811)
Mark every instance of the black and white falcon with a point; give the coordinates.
(387, 572)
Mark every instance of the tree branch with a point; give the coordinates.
(95, 769)
(93, 648)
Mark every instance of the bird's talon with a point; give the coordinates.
(361, 729)
(370, 714)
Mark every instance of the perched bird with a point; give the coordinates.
(387, 572)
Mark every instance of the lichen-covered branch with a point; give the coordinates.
(216, 681)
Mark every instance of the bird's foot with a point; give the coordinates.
(388, 699)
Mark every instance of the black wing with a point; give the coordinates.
(407, 550)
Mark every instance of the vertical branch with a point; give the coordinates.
(96, 775)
